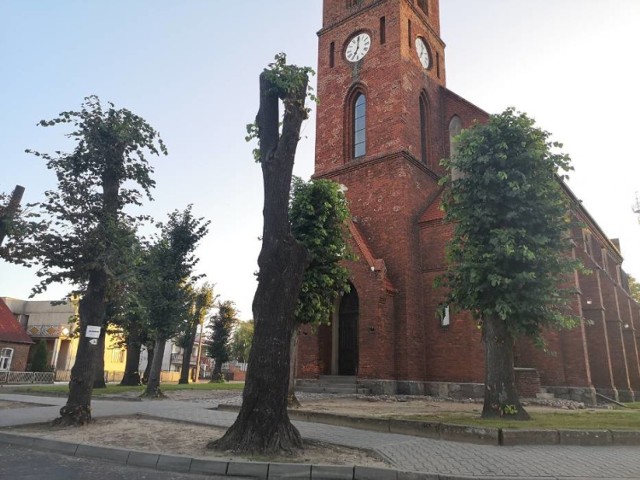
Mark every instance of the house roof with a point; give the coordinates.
(10, 329)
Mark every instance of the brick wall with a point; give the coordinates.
(20, 355)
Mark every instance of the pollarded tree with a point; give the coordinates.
(166, 293)
(318, 212)
(263, 425)
(87, 228)
(221, 325)
(511, 248)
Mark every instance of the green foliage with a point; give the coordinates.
(168, 270)
(241, 341)
(222, 324)
(634, 288)
(511, 249)
(40, 361)
(287, 80)
(202, 299)
(84, 226)
(318, 213)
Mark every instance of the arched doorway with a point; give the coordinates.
(348, 334)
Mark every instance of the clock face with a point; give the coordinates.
(358, 47)
(423, 52)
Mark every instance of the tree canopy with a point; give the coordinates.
(318, 211)
(511, 245)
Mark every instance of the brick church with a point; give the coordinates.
(384, 121)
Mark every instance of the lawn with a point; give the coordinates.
(591, 419)
(115, 389)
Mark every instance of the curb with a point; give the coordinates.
(468, 434)
(262, 470)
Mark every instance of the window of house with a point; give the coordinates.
(359, 126)
(423, 6)
(6, 354)
(455, 128)
(383, 30)
(332, 54)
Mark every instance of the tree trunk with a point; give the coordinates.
(153, 385)
(263, 425)
(77, 411)
(216, 374)
(500, 394)
(292, 400)
(98, 379)
(150, 356)
(131, 375)
(188, 350)
(10, 211)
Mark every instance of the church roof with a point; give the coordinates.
(10, 329)
(376, 264)
(433, 211)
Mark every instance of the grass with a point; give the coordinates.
(116, 389)
(574, 420)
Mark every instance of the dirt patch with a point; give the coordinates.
(177, 438)
(6, 404)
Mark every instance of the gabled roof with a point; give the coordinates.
(10, 329)
(433, 211)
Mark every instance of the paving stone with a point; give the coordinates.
(422, 429)
(289, 470)
(529, 437)
(248, 469)
(331, 472)
(463, 433)
(625, 437)
(143, 459)
(417, 476)
(213, 467)
(108, 453)
(55, 446)
(173, 463)
(367, 473)
(585, 437)
(16, 439)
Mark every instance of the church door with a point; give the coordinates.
(348, 334)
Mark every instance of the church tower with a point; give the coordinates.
(383, 124)
(380, 65)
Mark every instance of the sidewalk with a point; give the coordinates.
(406, 453)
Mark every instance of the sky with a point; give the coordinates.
(190, 68)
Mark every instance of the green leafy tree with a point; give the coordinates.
(318, 213)
(222, 324)
(84, 228)
(40, 360)
(634, 288)
(241, 341)
(511, 248)
(202, 299)
(263, 425)
(169, 272)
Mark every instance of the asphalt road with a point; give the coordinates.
(18, 463)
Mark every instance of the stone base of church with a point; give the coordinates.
(586, 395)
(460, 391)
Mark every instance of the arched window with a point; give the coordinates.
(359, 125)
(424, 128)
(455, 127)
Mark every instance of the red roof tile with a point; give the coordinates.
(10, 329)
